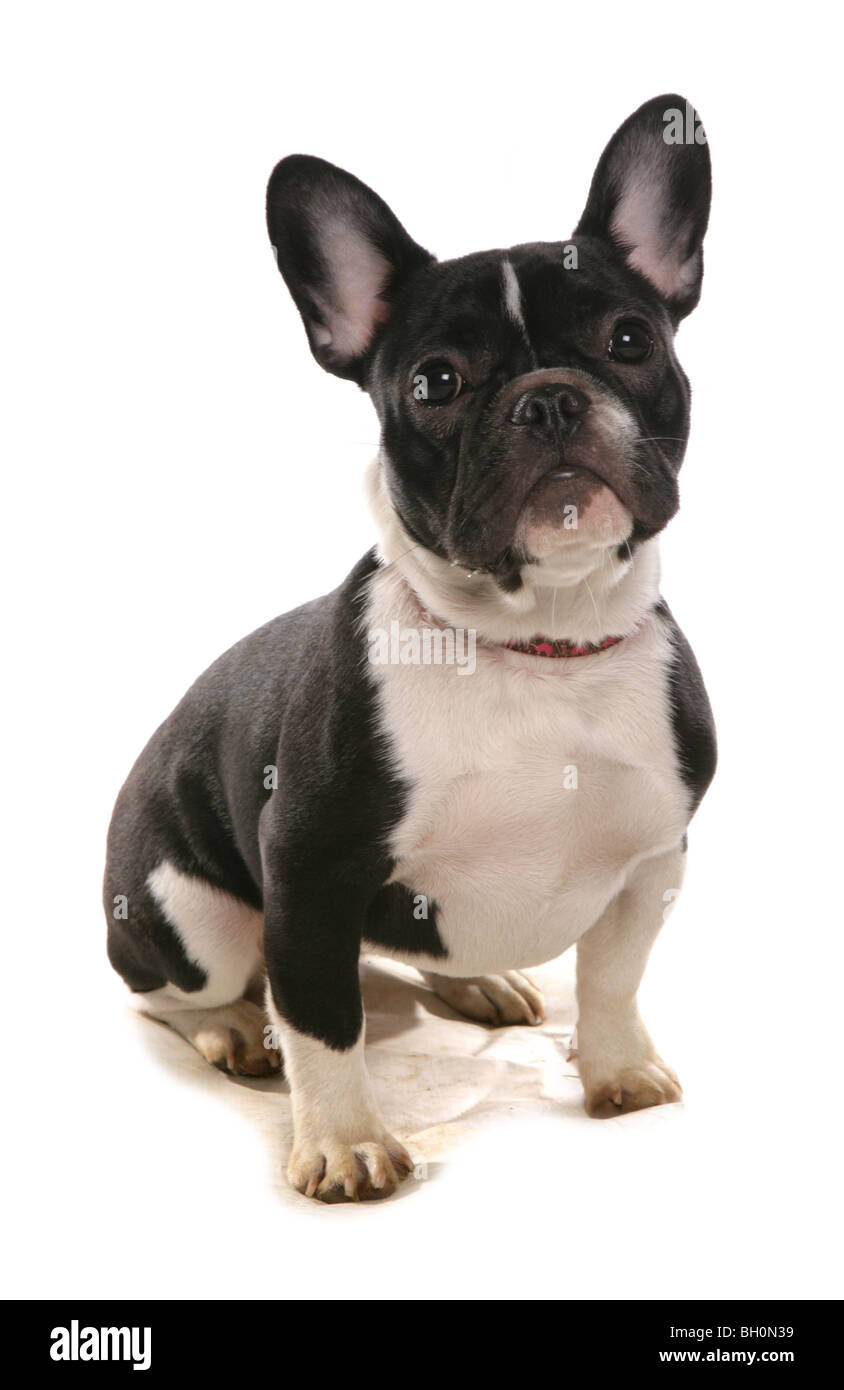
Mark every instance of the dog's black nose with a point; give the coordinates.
(551, 409)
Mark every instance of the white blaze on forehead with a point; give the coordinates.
(512, 294)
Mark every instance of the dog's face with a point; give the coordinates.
(530, 400)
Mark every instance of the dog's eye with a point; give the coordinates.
(436, 383)
(630, 342)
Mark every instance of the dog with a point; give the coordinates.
(487, 744)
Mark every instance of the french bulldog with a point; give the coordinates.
(487, 744)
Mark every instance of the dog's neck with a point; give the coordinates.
(583, 594)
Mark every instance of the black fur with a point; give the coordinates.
(694, 727)
(680, 177)
(297, 695)
(301, 192)
(458, 475)
(398, 920)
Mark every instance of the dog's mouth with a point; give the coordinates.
(567, 476)
(587, 492)
(573, 502)
(569, 501)
(567, 472)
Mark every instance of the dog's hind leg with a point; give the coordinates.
(202, 948)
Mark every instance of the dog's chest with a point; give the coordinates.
(534, 789)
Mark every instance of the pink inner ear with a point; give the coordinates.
(636, 224)
(358, 274)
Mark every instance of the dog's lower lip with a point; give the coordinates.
(568, 471)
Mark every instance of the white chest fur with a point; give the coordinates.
(535, 787)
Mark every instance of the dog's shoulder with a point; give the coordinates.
(338, 791)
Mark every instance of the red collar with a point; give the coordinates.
(549, 646)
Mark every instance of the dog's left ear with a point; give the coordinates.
(343, 254)
(650, 197)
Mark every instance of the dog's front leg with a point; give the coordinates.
(312, 946)
(618, 1063)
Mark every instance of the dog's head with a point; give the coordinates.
(529, 399)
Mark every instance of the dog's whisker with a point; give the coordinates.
(592, 596)
(391, 766)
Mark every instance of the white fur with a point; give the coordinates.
(520, 866)
(340, 1142)
(512, 294)
(225, 938)
(219, 933)
(331, 1090)
(520, 862)
(618, 1062)
(581, 591)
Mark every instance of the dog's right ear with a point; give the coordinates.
(343, 255)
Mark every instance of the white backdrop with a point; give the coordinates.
(178, 470)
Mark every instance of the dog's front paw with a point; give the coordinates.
(495, 999)
(633, 1087)
(334, 1170)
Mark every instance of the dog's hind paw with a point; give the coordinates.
(231, 1037)
(496, 999)
(633, 1088)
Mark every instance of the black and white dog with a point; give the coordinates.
(487, 744)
